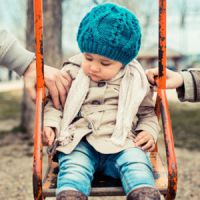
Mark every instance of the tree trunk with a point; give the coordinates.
(52, 37)
(52, 32)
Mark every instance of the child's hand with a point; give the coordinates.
(48, 136)
(145, 141)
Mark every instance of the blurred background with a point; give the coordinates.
(61, 20)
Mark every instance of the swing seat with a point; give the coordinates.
(106, 186)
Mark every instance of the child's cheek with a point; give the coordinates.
(84, 68)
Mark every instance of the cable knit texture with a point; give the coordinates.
(111, 31)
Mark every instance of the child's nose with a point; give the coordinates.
(94, 68)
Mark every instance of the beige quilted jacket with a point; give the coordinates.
(96, 119)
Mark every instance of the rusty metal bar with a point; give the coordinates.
(37, 154)
(162, 44)
(168, 135)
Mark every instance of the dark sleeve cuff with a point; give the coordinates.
(186, 92)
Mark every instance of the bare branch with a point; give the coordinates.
(95, 2)
(98, 2)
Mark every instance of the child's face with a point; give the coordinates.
(99, 68)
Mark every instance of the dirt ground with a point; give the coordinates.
(16, 170)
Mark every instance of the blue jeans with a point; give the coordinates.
(76, 170)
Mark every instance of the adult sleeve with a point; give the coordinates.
(12, 54)
(190, 91)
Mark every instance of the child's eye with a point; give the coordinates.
(105, 64)
(89, 59)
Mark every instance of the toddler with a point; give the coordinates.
(108, 122)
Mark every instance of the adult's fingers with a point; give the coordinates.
(61, 91)
(63, 84)
(58, 83)
(32, 93)
(30, 80)
(151, 74)
(150, 77)
(30, 86)
(66, 82)
(53, 91)
(66, 76)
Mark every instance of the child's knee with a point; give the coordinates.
(134, 160)
(75, 168)
(72, 182)
(72, 173)
(135, 170)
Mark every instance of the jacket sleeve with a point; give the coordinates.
(53, 116)
(12, 54)
(190, 91)
(147, 119)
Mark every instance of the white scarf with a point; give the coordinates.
(134, 87)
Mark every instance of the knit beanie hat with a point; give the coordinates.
(111, 31)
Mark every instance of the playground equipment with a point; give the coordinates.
(166, 180)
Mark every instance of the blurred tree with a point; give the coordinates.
(144, 10)
(53, 32)
(183, 13)
(52, 14)
(98, 2)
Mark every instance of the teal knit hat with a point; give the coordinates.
(111, 31)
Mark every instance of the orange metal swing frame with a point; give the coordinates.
(161, 105)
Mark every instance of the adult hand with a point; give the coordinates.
(56, 81)
(173, 79)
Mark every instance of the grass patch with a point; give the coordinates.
(10, 104)
(186, 124)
